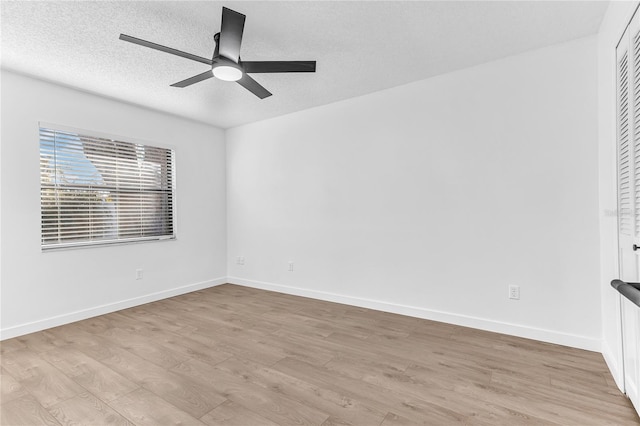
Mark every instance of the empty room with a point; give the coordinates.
(319, 213)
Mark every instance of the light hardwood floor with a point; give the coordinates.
(231, 355)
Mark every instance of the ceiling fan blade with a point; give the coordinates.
(192, 80)
(165, 49)
(279, 66)
(254, 87)
(231, 34)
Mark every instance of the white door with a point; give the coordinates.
(628, 147)
(626, 163)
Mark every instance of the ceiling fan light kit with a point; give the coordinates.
(226, 64)
(227, 71)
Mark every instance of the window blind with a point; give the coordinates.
(99, 191)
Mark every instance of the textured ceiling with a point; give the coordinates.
(361, 47)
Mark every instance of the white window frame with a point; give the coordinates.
(115, 241)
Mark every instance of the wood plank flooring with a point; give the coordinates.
(231, 355)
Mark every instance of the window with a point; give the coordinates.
(96, 190)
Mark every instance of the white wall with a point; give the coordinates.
(613, 25)
(39, 289)
(431, 198)
(427, 199)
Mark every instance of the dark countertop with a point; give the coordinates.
(629, 290)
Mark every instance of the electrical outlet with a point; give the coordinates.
(514, 292)
(139, 274)
(290, 266)
(240, 260)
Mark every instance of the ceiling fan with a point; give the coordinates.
(226, 63)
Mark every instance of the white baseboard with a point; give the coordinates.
(31, 327)
(549, 336)
(614, 365)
